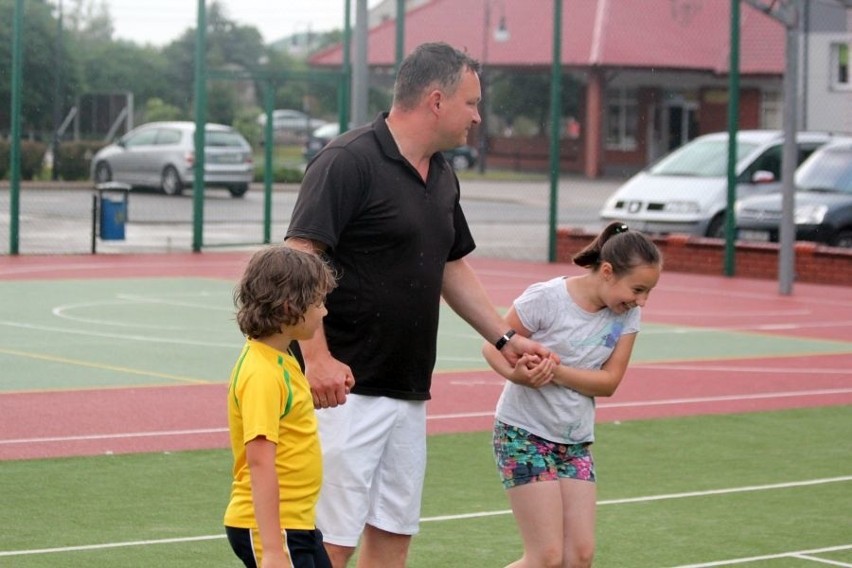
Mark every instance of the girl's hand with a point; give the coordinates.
(533, 371)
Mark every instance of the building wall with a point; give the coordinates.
(827, 107)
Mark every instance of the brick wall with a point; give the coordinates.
(681, 253)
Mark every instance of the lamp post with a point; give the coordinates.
(501, 34)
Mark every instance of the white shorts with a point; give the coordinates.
(374, 462)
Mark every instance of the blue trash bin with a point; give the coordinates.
(113, 218)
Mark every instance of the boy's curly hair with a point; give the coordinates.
(279, 285)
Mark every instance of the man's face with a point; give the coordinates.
(460, 111)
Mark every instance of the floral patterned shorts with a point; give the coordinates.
(523, 457)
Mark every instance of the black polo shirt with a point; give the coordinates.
(389, 235)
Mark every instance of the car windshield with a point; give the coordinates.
(218, 138)
(702, 158)
(829, 170)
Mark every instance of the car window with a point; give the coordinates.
(702, 158)
(768, 161)
(168, 136)
(218, 138)
(830, 169)
(142, 138)
(805, 151)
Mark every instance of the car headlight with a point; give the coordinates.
(681, 207)
(810, 214)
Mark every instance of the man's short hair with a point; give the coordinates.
(430, 65)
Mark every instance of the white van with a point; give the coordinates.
(687, 190)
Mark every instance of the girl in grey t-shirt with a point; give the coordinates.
(546, 414)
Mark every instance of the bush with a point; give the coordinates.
(283, 174)
(32, 159)
(288, 175)
(75, 159)
(4, 158)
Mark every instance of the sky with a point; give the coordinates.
(158, 22)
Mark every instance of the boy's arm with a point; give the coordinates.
(260, 455)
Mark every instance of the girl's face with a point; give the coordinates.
(313, 320)
(631, 289)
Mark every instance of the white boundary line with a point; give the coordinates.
(452, 416)
(802, 554)
(650, 498)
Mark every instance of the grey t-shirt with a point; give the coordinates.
(582, 340)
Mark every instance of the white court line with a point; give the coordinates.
(821, 560)
(794, 554)
(697, 400)
(452, 416)
(149, 339)
(744, 369)
(769, 487)
(124, 436)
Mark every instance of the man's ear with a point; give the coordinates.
(436, 97)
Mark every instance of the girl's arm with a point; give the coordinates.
(530, 370)
(603, 381)
(260, 455)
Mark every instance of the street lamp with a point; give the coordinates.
(501, 34)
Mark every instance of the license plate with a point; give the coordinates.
(749, 235)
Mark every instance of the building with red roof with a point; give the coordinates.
(653, 74)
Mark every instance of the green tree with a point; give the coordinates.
(156, 109)
(40, 64)
(228, 44)
(518, 94)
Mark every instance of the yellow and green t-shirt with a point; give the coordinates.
(270, 397)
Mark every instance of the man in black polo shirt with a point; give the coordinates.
(382, 204)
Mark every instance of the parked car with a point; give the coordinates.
(461, 158)
(823, 201)
(292, 121)
(687, 190)
(162, 155)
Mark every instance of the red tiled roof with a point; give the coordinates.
(660, 34)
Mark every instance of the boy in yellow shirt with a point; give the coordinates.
(277, 459)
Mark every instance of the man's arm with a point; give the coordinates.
(329, 378)
(465, 294)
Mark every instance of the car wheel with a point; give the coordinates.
(843, 239)
(103, 173)
(238, 189)
(461, 162)
(716, 228)
(171, 182)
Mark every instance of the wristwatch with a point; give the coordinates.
(504, 339)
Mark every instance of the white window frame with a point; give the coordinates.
(841, 73)
(772, 110)
(625, 101)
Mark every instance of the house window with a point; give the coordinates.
(771, 111)
(622, 114)
(840, 66)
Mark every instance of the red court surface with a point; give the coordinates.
(174, 418)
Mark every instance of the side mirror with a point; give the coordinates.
(762, 176)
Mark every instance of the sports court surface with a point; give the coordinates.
(728, 443)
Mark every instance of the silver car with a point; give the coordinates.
(162, 155)
(687, 191)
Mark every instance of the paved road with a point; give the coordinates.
(508, 219)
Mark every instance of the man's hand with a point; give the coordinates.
(330, 380)
(518, 346)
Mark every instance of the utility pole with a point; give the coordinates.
(360, 71)
(788, 13)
